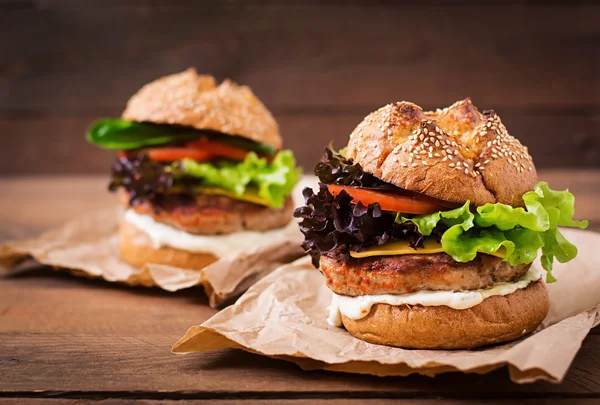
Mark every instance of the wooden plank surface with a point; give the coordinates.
(70, 338)
(64, 336)
(320, 69)
(539, 401)
(67, 56)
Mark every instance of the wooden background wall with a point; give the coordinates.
(318, 66)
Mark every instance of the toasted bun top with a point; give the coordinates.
(455, 154)
(196, 101)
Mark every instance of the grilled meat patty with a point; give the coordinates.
(212, 214)
(405, 273)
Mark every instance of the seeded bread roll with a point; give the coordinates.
(196, 101)
(497, 319)
(455, 154)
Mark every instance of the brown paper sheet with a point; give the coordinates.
(284, 316)
(87, 246)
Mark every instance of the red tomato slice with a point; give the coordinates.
(219, 149)
(390, 201)
(172, 154)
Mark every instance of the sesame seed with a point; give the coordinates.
(421, 137)
(422, 152)
(494, 156)
(436, 154)
(437, 144)
(426, 131)
(403, 164)
(457, 163)
(481, 168)
(466, 171)
(424, 162)
(445, 158)
(451, 164)
(430, 155)
(489, 143)
(455, 151)
(450, 157)
(486, 162)
(473, 174)
(477, 164)
(414, 165)
(410, 159)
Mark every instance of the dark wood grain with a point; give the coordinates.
(70, 336)
(321, 69)
(68, 56)
(541, 401)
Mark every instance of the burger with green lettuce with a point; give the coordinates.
(426, 226)
(200, 171)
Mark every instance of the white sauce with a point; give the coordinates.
(218, 245)
(359, 307)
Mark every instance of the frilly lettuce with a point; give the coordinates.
(521, 232)
(274, 181)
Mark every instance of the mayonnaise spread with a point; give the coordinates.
(218, 245)
(359, 307)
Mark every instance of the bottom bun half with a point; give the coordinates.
(135, 248)
(497, 319)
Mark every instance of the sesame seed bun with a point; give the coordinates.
(497, 319)
(196, 101)
(455, 154)
(135, 248)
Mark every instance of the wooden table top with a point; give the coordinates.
(65, 339)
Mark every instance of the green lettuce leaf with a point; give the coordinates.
(274, 181)
(521, 232)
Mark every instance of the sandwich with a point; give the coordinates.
(426, 225)
(200, 171)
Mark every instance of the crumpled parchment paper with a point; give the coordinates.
(284, 316)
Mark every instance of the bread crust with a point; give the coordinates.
(497, 319)
(196, 101)
(135, 248)
(455, 154)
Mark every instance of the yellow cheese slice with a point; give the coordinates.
(401, 248)
(249, 195)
